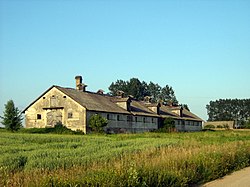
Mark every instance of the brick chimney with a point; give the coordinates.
(79, 85)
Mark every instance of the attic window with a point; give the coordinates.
(70, 115)
(44, 97)
(38, 116)
(64, 96)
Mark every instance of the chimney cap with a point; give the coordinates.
(78, 77)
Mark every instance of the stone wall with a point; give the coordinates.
(53, 107)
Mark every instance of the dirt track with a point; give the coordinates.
(237, 179)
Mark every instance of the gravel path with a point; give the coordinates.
(237, 179)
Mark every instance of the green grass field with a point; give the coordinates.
(151, 159)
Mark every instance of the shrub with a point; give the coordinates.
(247, 124)
(169, 125)
(59, 128)
(97, 122)
(209, 126)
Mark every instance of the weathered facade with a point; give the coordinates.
(74, 107)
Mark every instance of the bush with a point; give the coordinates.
(247, 125)
(97, 122)
(169, 125)
(59, 128)
(210, 127)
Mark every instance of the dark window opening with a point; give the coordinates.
(44, 97)
(144, 120)
(129, 118)
(64, 96)
(135, 119)
(118, 118)
(108, 117)
(70, 115)
(38, 116)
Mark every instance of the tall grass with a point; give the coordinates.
(153, 159)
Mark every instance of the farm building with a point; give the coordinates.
(220, 124)
(73, 107)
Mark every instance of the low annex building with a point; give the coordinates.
(220, 124)
(74, 107)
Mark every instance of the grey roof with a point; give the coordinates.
(93, 101)
(167, 111)
(138, 108)
(105, 103)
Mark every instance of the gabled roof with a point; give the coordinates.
(167, 111)
(38, 98)
(89, 100)
(93, 101)
(105, 103)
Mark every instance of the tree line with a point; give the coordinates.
(139, 89)
(229, 109)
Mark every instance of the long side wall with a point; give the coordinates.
(188, 125)
(121, 123)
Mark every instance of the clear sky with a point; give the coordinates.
(199, 47)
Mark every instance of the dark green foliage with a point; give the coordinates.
(229, 109)
(58, 129)
(247, 124)
(185, 106)
(12, 119)
(169, 124)
(139, 90)
(97, 122)
(209, 127)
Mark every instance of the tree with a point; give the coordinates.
(154, 90)
(135, 88)
(139, 90)
(185, 106)
(229, 109)
(117, 86)
(167, 95)
(97, 122)
(12, 119)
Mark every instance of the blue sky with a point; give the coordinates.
(199, 47)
